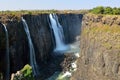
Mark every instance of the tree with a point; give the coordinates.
(116, 11)
(108, 10)
(98, 10)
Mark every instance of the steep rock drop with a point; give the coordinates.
(33, 62)
(6, 61)
(100, 48)
(42, 38)
(58, 34)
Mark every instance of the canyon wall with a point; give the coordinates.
(41, 34)
(71, 25)
(100, 48)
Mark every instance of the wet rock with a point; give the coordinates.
(42, 38)
(71, 24)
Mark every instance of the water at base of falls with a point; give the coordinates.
(33, 62)
(61, 49)
(58, 33)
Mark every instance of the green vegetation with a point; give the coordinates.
(24, 74)
(16, 15)
(106, 10)
(34, 12)
(98, 10)
(58, 76)
(27, 72)
(28, 12)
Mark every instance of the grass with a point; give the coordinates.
(16, 15)
(43, 11)
(108, 37)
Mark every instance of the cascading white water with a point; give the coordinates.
(7, 53)
(58, 33)
(33, 62)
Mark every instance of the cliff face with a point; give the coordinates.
(17, 44)
(40, 34)
(100, 49)
(42, 37)
(100, 44)
(94, 20)
(71, 25)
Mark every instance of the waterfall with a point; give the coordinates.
(58, 33)
(7, 54)
(33, 62)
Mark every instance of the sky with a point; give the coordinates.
(55, 4)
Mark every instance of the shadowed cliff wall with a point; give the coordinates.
(41, 35)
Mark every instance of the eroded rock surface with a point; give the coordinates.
(100, 52)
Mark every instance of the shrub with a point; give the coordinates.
(116, 11)
(24, 74)
(106, 10)
(98, 10)
(27, 72)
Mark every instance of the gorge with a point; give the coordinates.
(46, 41)
(32, 40)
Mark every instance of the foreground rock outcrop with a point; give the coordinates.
(100, 51)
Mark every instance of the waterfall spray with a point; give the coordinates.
(33, 62)
(7, 54)
(58, 33)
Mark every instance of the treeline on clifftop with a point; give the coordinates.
(105, 10)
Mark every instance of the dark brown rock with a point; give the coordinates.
(71, 25)
(42, 38)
